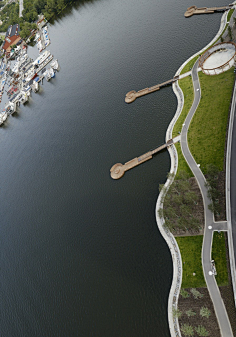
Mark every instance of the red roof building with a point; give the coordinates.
(12, 37)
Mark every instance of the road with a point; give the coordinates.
(233, 183)
(21, 7)
(213, 289)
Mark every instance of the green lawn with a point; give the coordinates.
(219, 255)
(207, 131)
(182, 164)
(189, 65)
(186, 85)
(230, 14)
(191, 248)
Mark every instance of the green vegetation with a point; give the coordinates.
(205, 312)
(187, 330)
(187, 87)
(178, 205)
(201, 331)
(184, 293)
(212, 182)
(182, 164)
(196, 293)
(230, 33)
(191, 248)
(207, 130)
(10, 16)
(230, 14)
(190, 313)
(176, 313)
(190, 64)
(50, 9)
(219, 256)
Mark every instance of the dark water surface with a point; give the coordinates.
(81, 254)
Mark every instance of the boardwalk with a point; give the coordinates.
(193, 10)
(132, 95)
(118, 170)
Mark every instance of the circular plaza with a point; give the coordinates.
(218, 58)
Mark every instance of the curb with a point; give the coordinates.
(227, 192)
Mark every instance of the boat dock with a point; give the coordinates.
(132, 95)
(193, 10)
(118, 170)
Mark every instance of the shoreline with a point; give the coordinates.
(169, 238)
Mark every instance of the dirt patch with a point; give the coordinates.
(186, 304)
(197, 211)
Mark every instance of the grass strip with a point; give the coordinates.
(219, 255)
(230, 14)
(186, 85)
(207, 131)
(190, 249)
(189, 65)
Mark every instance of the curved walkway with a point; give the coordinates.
(213, 289)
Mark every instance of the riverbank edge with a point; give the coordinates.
(167, 235)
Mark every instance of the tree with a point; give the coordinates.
(184, 293)
(160, 212)
(190, 313)
(176, 313)
(201, 331)
(230, 32)
(205, 312)
(196, 293)
(187, 330)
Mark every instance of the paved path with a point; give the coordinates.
(21, 7)
(213, 289)
(233, 183)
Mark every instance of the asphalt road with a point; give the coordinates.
(213, 289)
(233, 183)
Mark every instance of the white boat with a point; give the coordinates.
(10, 108)
(25, 97)
(35, 86)
(42, 58)
(4, 115)
(49, 74)
(54, 65)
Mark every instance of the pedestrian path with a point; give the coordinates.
(210, 224)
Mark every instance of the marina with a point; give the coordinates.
(20, 74)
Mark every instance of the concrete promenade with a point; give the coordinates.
(210, 224)
(169, 238)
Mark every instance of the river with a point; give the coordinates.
(81, 254)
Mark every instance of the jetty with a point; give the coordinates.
(118, 170)
(193, 10)
(132, 95)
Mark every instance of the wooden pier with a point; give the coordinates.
(193, 10)
(132, 95)
(118, 170)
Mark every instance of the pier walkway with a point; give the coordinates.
(118, 170)
(204, 10)
(132, 95)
